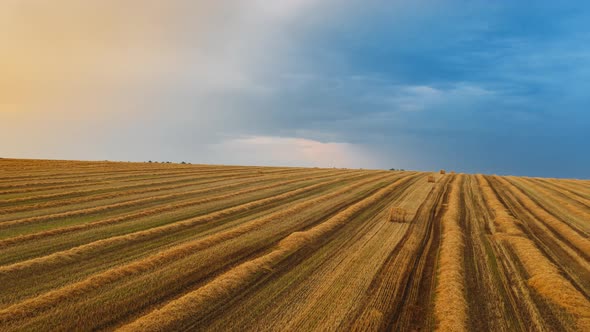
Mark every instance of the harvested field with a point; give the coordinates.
(164, 247)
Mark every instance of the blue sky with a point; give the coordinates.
(474, 86)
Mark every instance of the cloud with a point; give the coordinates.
(293, 151)
(413, 98)
(283, 9)
(412, 82)
(100, 50)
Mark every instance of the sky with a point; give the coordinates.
(495, 87)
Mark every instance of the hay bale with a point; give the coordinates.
(398, 214)
(453, 172)
(442, 171)
(431, 179)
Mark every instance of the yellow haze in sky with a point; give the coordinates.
(58, 51)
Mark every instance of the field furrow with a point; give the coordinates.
(558, 202)
(103, 246)
(176, 252)
(311, 284)
(550, 298)
(116, 187)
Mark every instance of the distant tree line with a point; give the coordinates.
(167, 162)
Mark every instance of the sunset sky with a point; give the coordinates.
(475, 86)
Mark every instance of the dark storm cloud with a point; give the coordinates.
(476, 86)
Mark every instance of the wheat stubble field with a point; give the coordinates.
(161, 247)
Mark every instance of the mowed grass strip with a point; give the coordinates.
(59, 239)
(129, 297)
(154, 210)
(72, 254)
(136, 191)
(180, 312)
(26, 284)
(320, 287)
(579, 188)
(33, 305)
(118, 186)
(111, 192)
(109, 176)
(113, 173)
(10, 186)
(22, 192)
(113, 188)
(69, 169)
(574, 238)
(234, 254)
(74, 172)
(543, 276)
(37, 207)
(318, 217)
(80, 210)
(450, 305)
(100, 258)
(149, 207)
(566, 189)
(84, 181)
(113, 206)
(381, 306)
(557, 201)
(560, 251)
(14, 169)
(7, 194)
